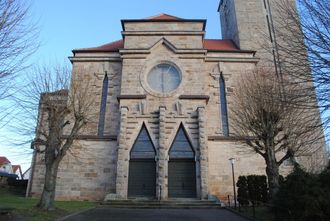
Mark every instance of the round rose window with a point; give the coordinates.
(164, 78)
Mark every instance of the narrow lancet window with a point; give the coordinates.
(103, 105)
(223, 107)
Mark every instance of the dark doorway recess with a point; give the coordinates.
(142, 178)
(142, 167)
(181, 167)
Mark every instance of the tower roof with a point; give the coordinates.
(164, 16)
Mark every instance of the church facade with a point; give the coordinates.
(163, 98)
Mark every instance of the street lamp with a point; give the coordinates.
(232, 162)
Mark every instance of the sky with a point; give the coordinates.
(68, 24)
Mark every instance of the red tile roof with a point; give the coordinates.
(164, 17)
(110, 47)
(209, 44)
(16, 167)
(219, 45)
(4, 160)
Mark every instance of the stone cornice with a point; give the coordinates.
(232, 59)
(95, 58)
(228, 138)
(94, 137)
(195, 97)
(161, 33)
(131, 96)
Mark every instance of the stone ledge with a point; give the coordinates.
(228, 138)
(195, 97)
(94, 137)
(131, 96)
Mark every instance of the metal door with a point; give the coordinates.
(182, 179)
(142, 178)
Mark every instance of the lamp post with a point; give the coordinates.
(232, 162)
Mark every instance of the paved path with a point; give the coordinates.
(119, 214)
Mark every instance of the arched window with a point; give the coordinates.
(181, 147)
(223, 106)
(103, 105)
(143, 147)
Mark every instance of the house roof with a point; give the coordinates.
(16, 168)
(220, 45)
(164, 16)
(209, 44)
(110, 47)
(4, 160)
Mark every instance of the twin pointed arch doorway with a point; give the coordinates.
(142, 167)
(181, 167)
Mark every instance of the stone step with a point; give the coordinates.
(165, 206)
(203, 204)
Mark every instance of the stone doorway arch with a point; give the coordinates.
(181, 167)
(142, 167)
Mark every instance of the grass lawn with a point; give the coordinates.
(24, 208)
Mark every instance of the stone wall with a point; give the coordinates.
(247, 162)
(87, 172)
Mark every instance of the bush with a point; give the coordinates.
(242, 191)
(252, 188)
(303, 196)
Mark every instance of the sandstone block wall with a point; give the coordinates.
(87, 172)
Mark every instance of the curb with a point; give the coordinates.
(73, 214)
(240, 214)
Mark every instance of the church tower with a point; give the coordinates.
(244, 21)
(251, 24)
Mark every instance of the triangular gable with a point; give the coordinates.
(143, 147)
(166, 43)
(181, 147)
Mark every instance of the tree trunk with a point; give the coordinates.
(272, 171)
(48, 194)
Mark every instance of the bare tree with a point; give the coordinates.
(302, 31)
(17, 40)
(274, 129)
(63, 112)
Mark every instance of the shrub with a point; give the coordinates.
(303, 196)
(252, 188)
(242, 191)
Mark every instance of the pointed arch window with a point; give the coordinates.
(143, 147)
(103, 105)
(223, 106)
(181, 147)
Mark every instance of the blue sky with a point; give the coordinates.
(68, 24)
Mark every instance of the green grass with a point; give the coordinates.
(24, 208)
